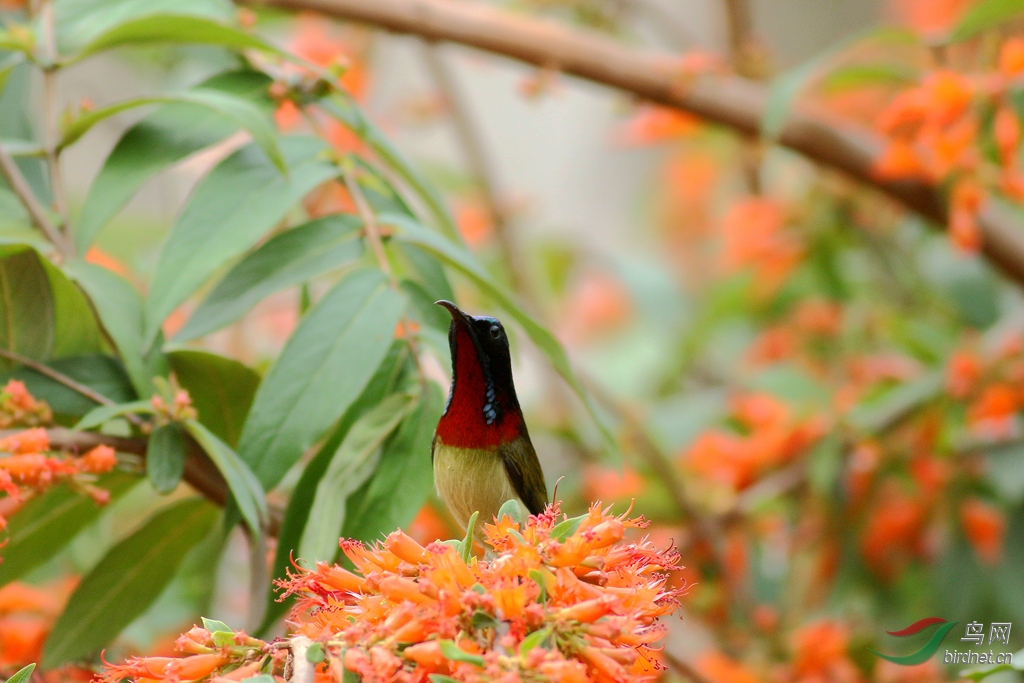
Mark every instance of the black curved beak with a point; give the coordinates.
(459, 317)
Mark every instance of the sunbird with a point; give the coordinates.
(482, 452)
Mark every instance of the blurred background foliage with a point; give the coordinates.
(241, 219)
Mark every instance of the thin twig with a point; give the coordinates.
(731, 101)
(303, 670)
(683, 668)
(200, 472)
(51, 109)
(371, 227)
(477, 159)
(57, 377)
(19, 186)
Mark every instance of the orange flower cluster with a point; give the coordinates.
(933, 133)
(231, 655)
(754, 236)
(562, 599)
(26, 466)
(772, 435)
(990, 385)
(27, 614)
(19, 409)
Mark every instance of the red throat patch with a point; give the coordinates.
(464, 424)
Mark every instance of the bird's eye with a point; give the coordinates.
(495, 331)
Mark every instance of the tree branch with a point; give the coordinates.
(19, 186)
(726, 100)
(200, 472)
(477, 161)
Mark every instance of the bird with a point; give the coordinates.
(481, 453)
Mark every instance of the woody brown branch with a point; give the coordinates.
(199, 472)
(726, 100)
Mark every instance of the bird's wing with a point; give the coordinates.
(523, 469)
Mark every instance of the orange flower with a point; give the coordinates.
(949, 94)
(1006, 132)
(931, 17)
(98, 460)
(608, 483)
(474, 222)
(29, 441)
(962, 373)
(985, 526)
(1011, 58)
(993, 411)
(893, 528)
(718, 668)
(652, 125)
(821, 652)
(900, 161)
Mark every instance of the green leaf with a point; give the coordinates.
(79, 22)
(985, 15)
(265, 678)
(215, 626)
(351, 465)
(482, 619)
(245, 487)
(404, 478)
(315, 653)
(290, 258)
(859, 75)
(222, 390)
(982, 672)
(15, 124)
(172, 28)
(880, 413)
(102, 374)
(385, 381)
(23, 674)
(244, 196)
(511, 509)
(239, 111)
(323, 368)
(161, 139)
(1004, 470)
(467, 542)
(538, 579)
(165, 457)
(119, 306)
(455, 653)
(48, 522)
(76, 331)
(441, 678)
(128, 578)
(567, 527)
(462, 260)
(533, 640)
(223, 635)
(102, 414)
(343, 108)
(26, 305)
(785, 87)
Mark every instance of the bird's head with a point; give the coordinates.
(482, 402)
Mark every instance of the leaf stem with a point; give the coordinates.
(303, 670)
(51, 110)
(61, 378)
(16, 181)
(477, 160)
(373, 235)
